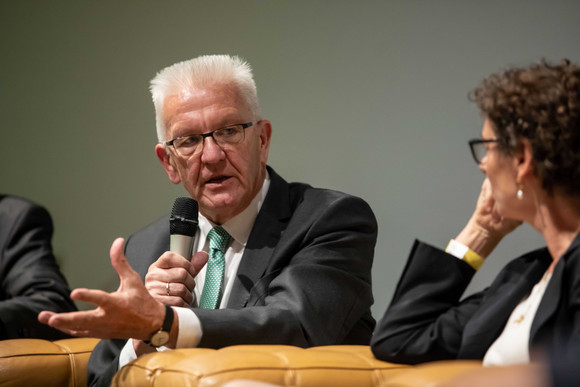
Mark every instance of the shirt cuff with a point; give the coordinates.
(190, 331)
(127, 354)
(464, 253)
(189, 336)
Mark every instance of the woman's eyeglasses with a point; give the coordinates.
(479, 148)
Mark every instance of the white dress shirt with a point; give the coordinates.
(239, 227)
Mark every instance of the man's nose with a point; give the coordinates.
(211, 151)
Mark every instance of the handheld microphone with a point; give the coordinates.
(183, 226)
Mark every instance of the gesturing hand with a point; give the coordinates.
(129, 312)
(171, 279)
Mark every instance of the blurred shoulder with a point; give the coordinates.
(14, 207)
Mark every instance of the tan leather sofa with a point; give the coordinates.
(283, 365)
(31, 362)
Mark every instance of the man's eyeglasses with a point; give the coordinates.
(479, 148)
(187, 146)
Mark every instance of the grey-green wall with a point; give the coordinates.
(367, 97)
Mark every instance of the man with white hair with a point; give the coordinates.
(295, 267)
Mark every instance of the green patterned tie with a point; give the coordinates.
(218, 242)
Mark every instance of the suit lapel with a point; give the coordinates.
(551, 299)
(266, 233)
(549, 302)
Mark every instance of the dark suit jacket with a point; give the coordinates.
(426, 320)
(29, 276)
(563, 368)
(304, 279)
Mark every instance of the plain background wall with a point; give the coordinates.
(367, 97)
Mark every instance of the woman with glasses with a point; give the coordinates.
(530, 153)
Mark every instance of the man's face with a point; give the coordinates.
(223, 182)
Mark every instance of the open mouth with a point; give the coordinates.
(217, 180)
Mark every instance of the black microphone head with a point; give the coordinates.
(183, 219)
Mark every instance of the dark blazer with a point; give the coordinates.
(304, 279)
(427, 321)
(30, 280)
(563, 368)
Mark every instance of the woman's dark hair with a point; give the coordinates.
(540, 103)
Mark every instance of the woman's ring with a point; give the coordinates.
(167, 288)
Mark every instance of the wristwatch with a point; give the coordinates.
(161, 337)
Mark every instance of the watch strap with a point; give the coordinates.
(167, 322)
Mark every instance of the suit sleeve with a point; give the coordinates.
(31, 279)
(104, 362)
(425, 319)
(564, 349)
(317, 290)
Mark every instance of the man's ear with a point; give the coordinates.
(265, 136)
(167, 163)
(524, 160)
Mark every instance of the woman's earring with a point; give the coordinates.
(520, 192)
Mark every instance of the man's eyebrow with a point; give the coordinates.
(228, 120)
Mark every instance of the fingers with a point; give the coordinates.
(93, 296)
(485, 198)
(198, 261)
(118, 260)
(175, 294)
(174, 269)
(486, 185)
(81, 333)
(170, 292)
(44, 316)
(71, 321)
(170, 260)
(164, 276)
(130, 311)
(127, 276)
(180, 273)
(106, 323)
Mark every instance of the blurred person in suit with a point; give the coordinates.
(30, 279)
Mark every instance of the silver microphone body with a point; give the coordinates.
(181, 244)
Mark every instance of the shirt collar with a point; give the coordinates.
(240, 226)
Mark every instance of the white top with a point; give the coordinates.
(239, 227)
(512, 346)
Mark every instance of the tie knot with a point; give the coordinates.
(218, 239)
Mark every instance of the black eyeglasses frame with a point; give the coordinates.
(476, 142)
(210, 134)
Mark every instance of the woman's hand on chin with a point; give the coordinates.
(486, 228)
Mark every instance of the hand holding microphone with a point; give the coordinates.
(171, 279)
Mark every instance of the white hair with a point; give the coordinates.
(202, 73)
